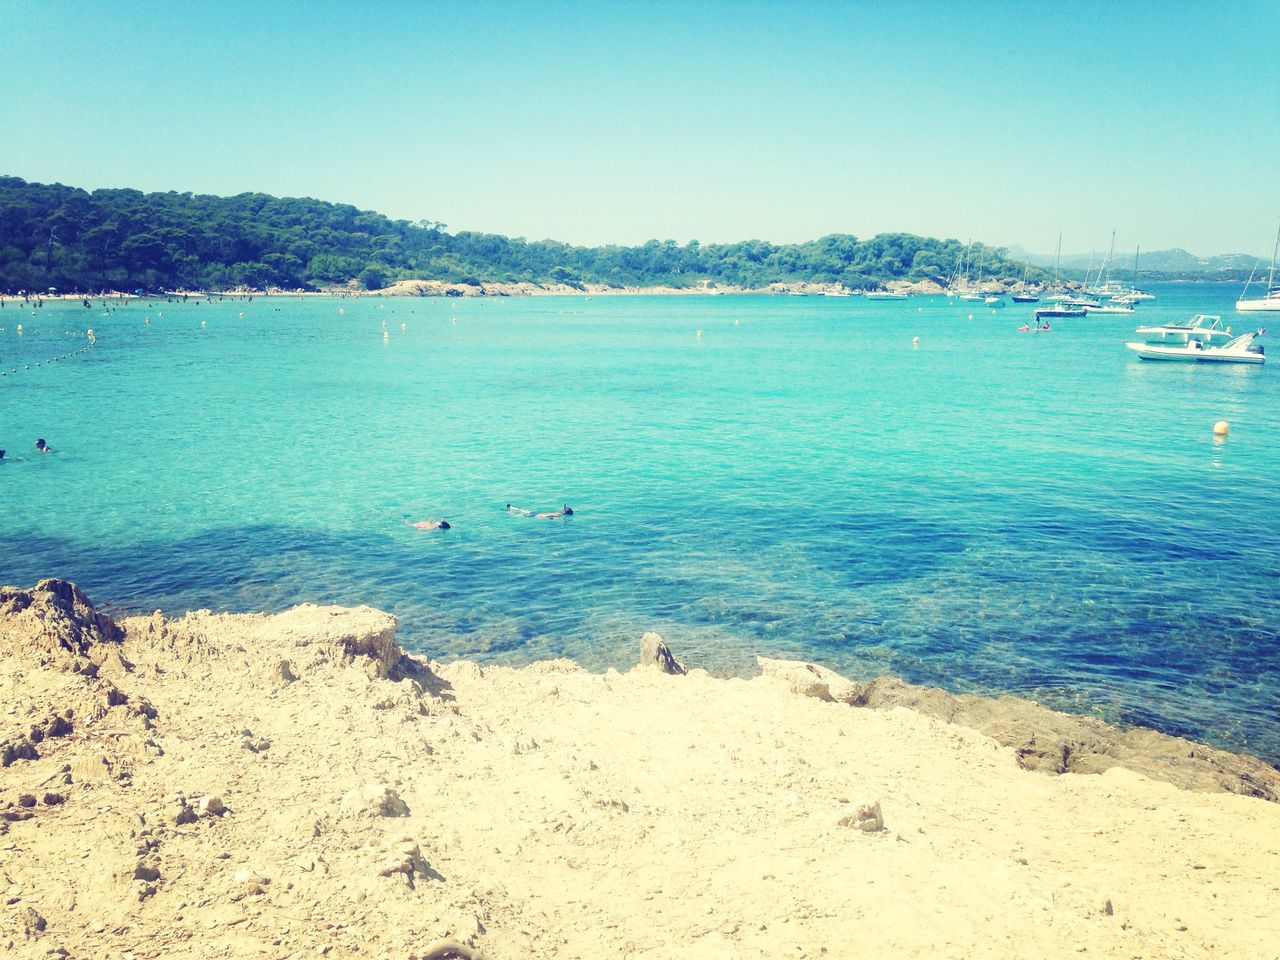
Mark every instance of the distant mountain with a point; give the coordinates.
(1172, 263)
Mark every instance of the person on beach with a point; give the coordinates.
(441, 524)
(43, 447)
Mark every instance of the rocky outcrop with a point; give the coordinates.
(654, 652)
(53, 622)
(811, 680)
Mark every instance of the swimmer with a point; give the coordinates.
(43, 447)
(564, 511)
(518, 511)
(1, 454)
(441, 524)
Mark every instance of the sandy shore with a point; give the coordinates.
(295, 785)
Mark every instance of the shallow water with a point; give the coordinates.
(990, 511)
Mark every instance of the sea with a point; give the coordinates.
(912, 488)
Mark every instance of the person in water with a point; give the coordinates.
(441, 524)
(564, 511)
(518, 511)
(43, 447)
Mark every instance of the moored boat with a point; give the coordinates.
(1203, 327)
(1240, 350)
(1061, 310)
(886, 295)
(1270, 301)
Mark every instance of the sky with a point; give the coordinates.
(601, 122)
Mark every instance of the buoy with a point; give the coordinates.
(149, 320)
(202, 323)
(971, 316)
(916, 341)
(341, 311)
(1221, 428)
(19, 328)
(241, 314)
(404, 326)
(735, 323)
(699, 334)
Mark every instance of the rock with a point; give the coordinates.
(284, 672)
(867, 818)
(654, 652)
(405, 860)
(358, 633)
(26, 800)
(811, 680)
(374, 800)
(32, 922)
(52, 622)
(145, 871)
(210, 806)
(53, 799)
(17, 748)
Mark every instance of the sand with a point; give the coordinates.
(295, 785)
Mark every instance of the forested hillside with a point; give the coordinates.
(63, 237)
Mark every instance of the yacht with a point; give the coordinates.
(1240, 350)
(886, 295)
(1204, 327)
(1270, 302)
(1109, 308)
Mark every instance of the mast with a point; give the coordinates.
(1057, 280)
(1136, 251)
(1271, 276)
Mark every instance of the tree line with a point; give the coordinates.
(119, 239)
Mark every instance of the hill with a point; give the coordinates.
(1175, 264)
(118, 239)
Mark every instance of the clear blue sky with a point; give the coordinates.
(599, 122)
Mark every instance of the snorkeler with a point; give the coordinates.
(564, 511)
(441, 524)
(43, 447)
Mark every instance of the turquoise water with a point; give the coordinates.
(989, 511)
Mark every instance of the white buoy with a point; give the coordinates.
(149, 320)
(915, 341)
(19, 328)
(342, 311)
(1221, 428)
(386, 335)
(404, 326)
(971, 316)
(699, 334)
(201, 323)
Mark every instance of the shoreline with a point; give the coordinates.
(497, 289)
(298, 783)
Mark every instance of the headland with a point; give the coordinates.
(298, 785)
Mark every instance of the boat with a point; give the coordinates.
(1240, 350)
(1270, 302)
(993, 301)
(1081, 302)
(1203, 327)
(886, 295)
(1108, 308)
(837, 293)
(1026, 296)
(1061, 310)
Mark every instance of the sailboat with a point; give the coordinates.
(1025, 295)
(1270, 302)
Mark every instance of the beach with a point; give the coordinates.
(296, 784)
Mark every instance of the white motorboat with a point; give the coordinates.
(1270, 302)
(993, 301)
(1108, 308)
(1240, 350)
(1203, 327)
(886, 295)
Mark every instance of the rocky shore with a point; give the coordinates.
(297, 785)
